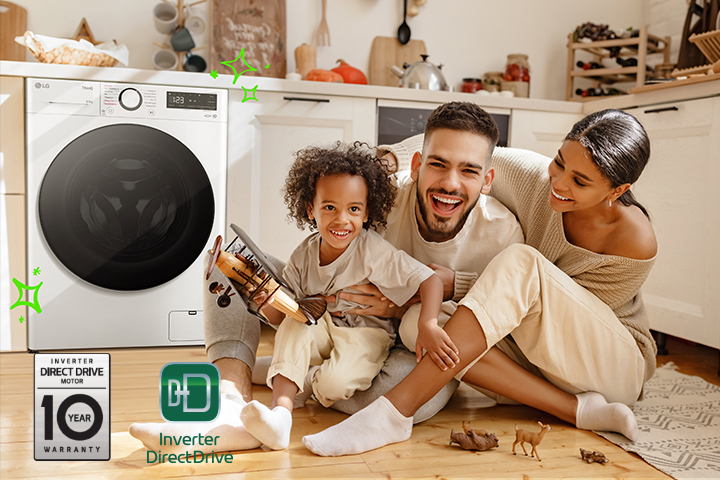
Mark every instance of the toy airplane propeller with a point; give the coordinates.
(256, 280)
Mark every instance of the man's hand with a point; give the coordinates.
(376, 303)
(448, 279)
(436, 341)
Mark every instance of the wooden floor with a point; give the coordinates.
(426, 455)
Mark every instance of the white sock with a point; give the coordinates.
(227, 427)
(302, 397)
(595, 413)
(375, 426)
(271, 427)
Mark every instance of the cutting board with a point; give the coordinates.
(386, 52)
(13, 23)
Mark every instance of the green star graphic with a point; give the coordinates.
(34, 304)
(36, 271)
(239, 57)
(21, 319)
(214, 74)
(246, 91)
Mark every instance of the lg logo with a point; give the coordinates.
(42, 85)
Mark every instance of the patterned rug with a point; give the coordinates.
(679, 421)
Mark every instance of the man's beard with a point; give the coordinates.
(441, 227)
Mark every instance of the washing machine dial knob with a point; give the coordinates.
(130, 99)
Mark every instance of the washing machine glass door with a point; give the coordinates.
(126, 207)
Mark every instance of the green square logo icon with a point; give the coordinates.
(189, 392)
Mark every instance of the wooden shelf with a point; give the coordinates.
(639, 47)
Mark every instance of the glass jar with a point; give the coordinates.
(517, 68)
(471, 85)
(491, 81)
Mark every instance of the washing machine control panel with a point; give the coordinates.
(122, 100)
(126, 100)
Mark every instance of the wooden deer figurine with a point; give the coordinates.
(534, 439)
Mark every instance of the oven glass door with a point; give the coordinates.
(126, 207)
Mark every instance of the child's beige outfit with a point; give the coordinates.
(350, 349)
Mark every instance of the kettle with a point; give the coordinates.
(422, 74)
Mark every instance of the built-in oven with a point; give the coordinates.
(398, 120)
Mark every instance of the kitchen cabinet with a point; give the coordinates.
(262, 137)
(13, 332)
(541, 132)
(679, 187)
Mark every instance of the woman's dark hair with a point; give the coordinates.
(313, 163)
(618, 145)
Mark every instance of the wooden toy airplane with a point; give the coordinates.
(256, 280)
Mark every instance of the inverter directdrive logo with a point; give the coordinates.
(189, 392)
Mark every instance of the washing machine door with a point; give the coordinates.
(126, 207)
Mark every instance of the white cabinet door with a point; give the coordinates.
(541, 132)
(679, 187)
(262, 138)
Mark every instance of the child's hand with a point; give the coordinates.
(436, 341)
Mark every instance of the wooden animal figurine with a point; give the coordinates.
(255, 278)
(534, 439)
(593, 456)
(472, 440)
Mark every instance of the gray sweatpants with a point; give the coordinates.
(232, 332)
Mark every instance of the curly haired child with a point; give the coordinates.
(343, 193)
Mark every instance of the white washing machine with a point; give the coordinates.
(126, 189)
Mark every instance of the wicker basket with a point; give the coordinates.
(708, 43)
(67, 55)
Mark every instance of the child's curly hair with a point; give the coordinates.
(313, 163)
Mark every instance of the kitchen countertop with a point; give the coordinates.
(204, 80)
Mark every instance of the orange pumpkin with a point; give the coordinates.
(320, 75)
(350, 74)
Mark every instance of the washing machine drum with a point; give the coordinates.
(126, 207)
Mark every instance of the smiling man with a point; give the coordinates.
(442, 217)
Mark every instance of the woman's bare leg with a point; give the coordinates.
(500, 374)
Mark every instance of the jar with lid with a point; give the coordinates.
(471, 85)
(517, 68)
(517, 75)
(491, 81)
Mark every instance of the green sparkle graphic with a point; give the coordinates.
(35, 305)
(235, 72)
(21, 319)
(214, 74)
(246, 92)
(36, 271)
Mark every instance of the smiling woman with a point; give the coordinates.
(580, 347)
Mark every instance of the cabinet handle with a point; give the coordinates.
(319, 100)
(665, 109)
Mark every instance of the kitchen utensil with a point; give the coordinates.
(181, 40)
(194, 63)
(386, 52)
(13, 23)
(165, 60)
(422, 74)
(404, 29)
(165, 16)
(323, 32)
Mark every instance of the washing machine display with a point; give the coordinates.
(126, 207)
